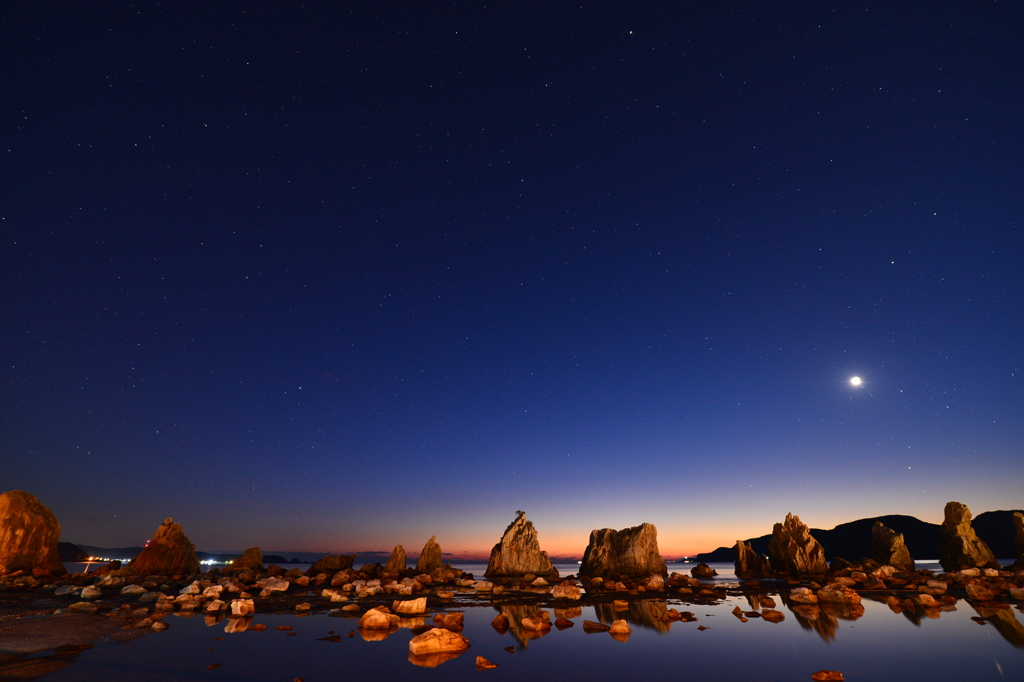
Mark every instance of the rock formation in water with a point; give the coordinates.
(888, 548)
(430, 558)
(29, 534)
(959, 546)
(794, 551)
(168, 553)
(1018, 539)
(519, 553)
(251, 559)
(332, 563)
(630, 551)
(396, 562)
(749, 564)
(703, 572)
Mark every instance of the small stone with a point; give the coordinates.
(620, 627)
(483, 664)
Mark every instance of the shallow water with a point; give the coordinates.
(880, 646)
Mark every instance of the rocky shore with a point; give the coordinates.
(622, 577)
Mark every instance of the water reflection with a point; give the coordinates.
(810, 617)
(433, 660)
(21, 667)
(515, 613)
(648, 613)
(1005, 622)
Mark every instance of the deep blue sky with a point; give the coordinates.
(334, 277)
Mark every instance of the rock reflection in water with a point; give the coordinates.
(647, 613)
(433, 660)
(377, 634)
(811, 617)
(515, 614)
(1005, 622)
(569, 613)
(237, 624)
(19, 667)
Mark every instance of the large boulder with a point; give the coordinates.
(959, 546)
(794, 551)
(168, 553)
(396, 562)
(703, 572)
(29, 534)
(437, 640)
(630, 551)
(251, 559)
(749, 564)
(888, 548)
(519, 553)
(331, 563)
(430, 558)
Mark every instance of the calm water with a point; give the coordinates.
(880, 646)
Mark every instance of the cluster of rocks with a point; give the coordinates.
(794, 552)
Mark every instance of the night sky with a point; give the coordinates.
(333, 277)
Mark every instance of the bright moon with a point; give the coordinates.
(855, 381)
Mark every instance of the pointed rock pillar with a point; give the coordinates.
(887, 547)
(430, 558)
(749, 564)
(519, 553)
(168, 553)
(959, 546)
(396, 562)
(794, 550)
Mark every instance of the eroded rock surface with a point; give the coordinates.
(396, 562)
(332, 563)
(888, 548)
(749, 564)
(519, 553)
(251, 559)
(703, 572)
(430, 559)
(29, 534)
(630, 551)
(168, 553)
(793, 550)
(959, 546)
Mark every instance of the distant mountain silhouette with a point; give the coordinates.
(996, 529)
(69, 552)
(852, 541)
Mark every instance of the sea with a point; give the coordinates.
(881, 646)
